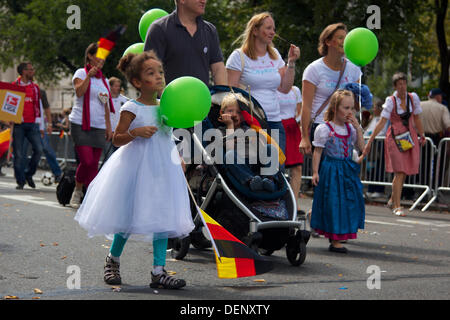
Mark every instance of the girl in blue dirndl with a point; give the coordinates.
(338, 208)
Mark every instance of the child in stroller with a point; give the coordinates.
(238, 154)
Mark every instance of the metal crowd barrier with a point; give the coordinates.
(442, 172)
(373, 170)
(433, 176)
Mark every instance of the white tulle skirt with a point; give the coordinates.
(140, 192)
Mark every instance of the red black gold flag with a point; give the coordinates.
(255, 125)
(107, 43)
(233, 258)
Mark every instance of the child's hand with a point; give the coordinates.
(226, 119)
(367, 148)
(144, 132)
(315, 179)
(352, 119)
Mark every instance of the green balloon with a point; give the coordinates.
(134, 48)
(184, 101)
(147, 19)
(361, 46)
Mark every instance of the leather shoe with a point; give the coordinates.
(338, 250)
(30, 182)
(19, 187)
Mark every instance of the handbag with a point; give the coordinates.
(403, 141)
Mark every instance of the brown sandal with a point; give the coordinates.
(112, 272)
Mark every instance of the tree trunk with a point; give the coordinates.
(441, 11)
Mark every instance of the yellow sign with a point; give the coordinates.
(12, 100)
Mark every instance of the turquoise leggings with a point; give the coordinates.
(159, 249)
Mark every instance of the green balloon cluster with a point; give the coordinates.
(361, 46)
(146, 20)
(185, 101)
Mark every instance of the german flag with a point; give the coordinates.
(233, 258)
(107, 43)
(5, 138)
(61, 134)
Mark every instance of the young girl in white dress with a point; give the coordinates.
(141, 191)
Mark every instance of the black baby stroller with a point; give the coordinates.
(265, 221)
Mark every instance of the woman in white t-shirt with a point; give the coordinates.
(320, 80)
(90, 124)
(258, 66)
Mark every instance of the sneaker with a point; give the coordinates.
(164, 281)
(112, 272)
(399, 212)
(75, 201)
(268, 185)
(30, 182)
(256, 183)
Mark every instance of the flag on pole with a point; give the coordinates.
(5, 138)
(61, 134)
(107, 43)
(233, 258)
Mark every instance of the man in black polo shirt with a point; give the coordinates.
(187, 45)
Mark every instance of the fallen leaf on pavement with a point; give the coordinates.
(38, 291)
(63, 257)
(259, 280)
(10, 297)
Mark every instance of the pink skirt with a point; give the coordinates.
(293, 138)
(397, 161)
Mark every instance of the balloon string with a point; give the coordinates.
(360, 90)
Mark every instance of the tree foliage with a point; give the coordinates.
(36, 30)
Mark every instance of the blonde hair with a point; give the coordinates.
(247, 38)
(230, 99)
(113, 80)
(327, 34)
(335, 101)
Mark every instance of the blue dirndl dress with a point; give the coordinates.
(338, 209)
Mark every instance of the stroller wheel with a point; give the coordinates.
(180, 247)
(296, 250)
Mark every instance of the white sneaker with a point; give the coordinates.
(75, 201)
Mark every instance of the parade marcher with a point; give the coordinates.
(290, 108)
(118, 101)
(141, 190)
(338, 209)
(28, 129)
(90, 124)
(401, 148)
(259, 67)
(322, 78)
(187, 44)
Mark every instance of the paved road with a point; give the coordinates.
(42, 247)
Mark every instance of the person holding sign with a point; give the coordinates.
(28, 129)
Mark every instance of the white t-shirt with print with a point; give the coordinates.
(325, 80)
(118, 103)
(263, 77)
(388, 106)
(97, 109)
(288, 102)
